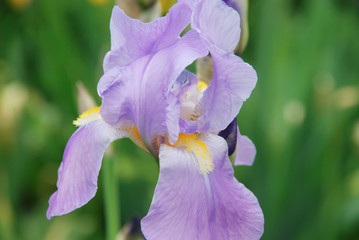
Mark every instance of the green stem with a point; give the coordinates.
(111, 200)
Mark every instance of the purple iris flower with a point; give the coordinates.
(149, 96)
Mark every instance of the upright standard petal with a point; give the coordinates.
(190, 205)
(132, 39)
(232, 83)
(233, 80)
(217, 23)
(143, 96)
(78, 172)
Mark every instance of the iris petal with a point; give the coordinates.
(142, 94)
(245, 150)
(218, 24)
(190, 205)
(78, 172)
(132, 39)
(233, 82)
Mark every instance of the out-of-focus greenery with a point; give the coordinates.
(303, 117)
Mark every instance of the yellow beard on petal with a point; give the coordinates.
(136, 138)
(193, 143)
(94, 114)
(90, 115)
(202, 86)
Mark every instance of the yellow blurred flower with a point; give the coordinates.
(166, 5)
(99, 2)
(20, 4)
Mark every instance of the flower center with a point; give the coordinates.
(193, 143)
(136, 138)
(190, 100)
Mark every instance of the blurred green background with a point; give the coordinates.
(303, 117)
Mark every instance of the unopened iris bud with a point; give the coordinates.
(131, 231)
(230, 135)
(130, 7)
(204, 68)
(84, 99)
(145, 10)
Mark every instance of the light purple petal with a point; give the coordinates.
(143, 96)
(217, 23)
(132, 39)
(245, 150)
(78, 172)
(173, 112)
(190, 3)
(188, 127)
(233, 82)
(111, 77)
(120, 92)
(188, 205)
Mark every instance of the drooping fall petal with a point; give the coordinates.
(191, 205)
(78, 172)
(245, 150)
